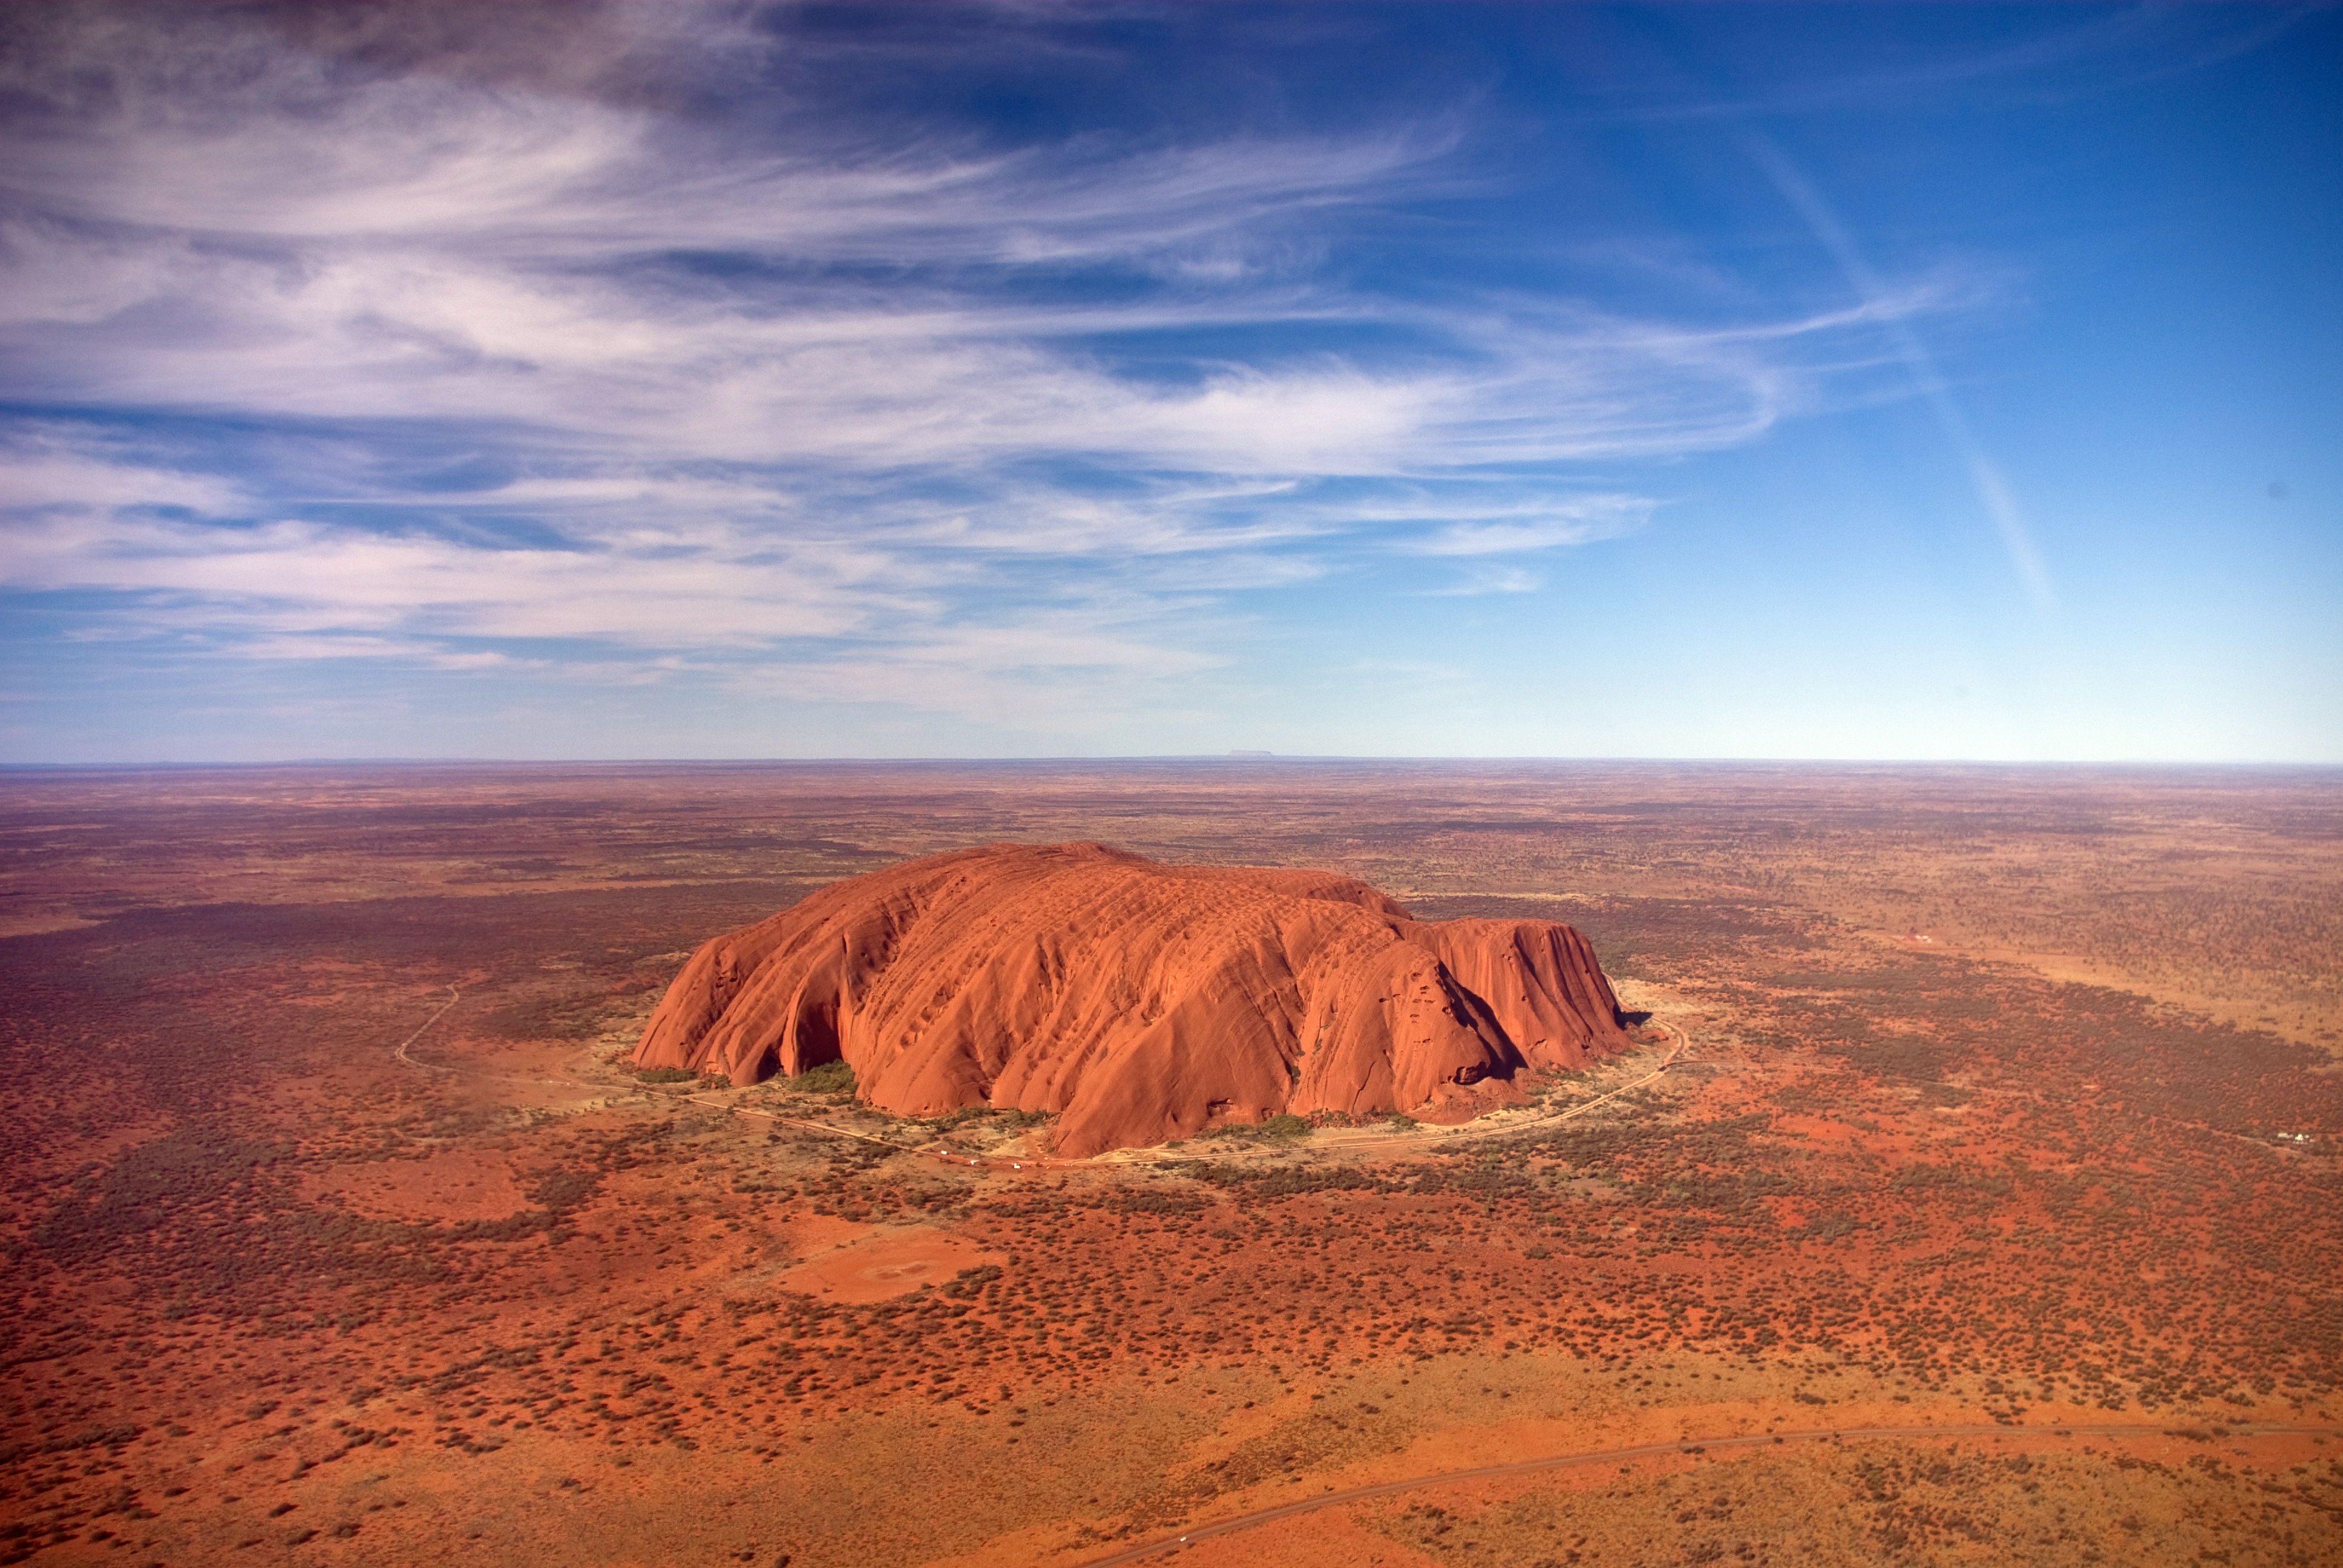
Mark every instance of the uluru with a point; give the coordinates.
(1141, 1002)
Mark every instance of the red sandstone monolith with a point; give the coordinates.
(1143, 1001)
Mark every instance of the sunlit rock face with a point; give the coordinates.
(1143, 1001)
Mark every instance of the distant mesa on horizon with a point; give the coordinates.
(1144, 1002)
(1253, 753)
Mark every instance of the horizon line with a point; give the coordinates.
(1252, 759)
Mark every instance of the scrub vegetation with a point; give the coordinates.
(274, 1286)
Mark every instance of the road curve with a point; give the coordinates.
(453, 996)
(1260, 1516)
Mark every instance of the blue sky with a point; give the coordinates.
(671, 380)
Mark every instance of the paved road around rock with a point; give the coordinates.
(1336, 1142)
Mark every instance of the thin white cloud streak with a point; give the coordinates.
(297, 576)
(1489, 579)
(1992, 491)
(2119, 48)
(1576, 522)
(406, 651)
(44, 474)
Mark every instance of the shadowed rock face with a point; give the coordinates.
(1143, 1001)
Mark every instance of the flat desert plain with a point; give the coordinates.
(1969, 1193)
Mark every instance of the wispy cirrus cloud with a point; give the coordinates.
(292, 577)
(582, 365)
(1526, 527)
(50, 471)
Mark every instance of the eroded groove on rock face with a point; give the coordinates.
(1141, 1000)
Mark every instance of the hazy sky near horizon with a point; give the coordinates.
(546, 380)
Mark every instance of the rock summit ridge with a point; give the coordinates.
(1143, 1001)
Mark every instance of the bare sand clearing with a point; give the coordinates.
(858, 1264)
(457, 1185)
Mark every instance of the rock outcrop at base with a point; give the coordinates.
(1143, 1001)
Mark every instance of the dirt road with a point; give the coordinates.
(453, 996)
(1689, 1445)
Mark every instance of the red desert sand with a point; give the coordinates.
(1143, 1001)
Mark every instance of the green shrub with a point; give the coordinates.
(666, 1075)
(829, 1078)
(1284, 1126)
